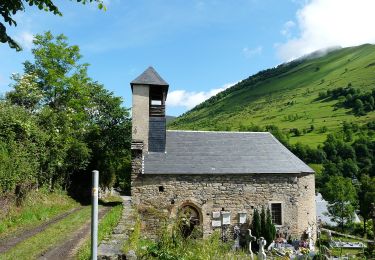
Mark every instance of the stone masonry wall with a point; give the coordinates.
(234, 193)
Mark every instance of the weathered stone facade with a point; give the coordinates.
(234, 193)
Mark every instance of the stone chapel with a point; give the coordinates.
(219, 178)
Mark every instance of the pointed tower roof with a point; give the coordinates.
(150, 77)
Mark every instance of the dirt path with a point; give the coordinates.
(12, 240)
(67, 249)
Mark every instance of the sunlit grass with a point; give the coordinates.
(38, 207)
(56, 233)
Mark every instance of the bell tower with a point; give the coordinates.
(149, 92)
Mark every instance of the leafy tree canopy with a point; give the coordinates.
(366, 197)
(84, 126)
(342, 196)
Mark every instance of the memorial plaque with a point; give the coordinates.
(225, 217)
(216, 214)
(216, 223)
(242, 216)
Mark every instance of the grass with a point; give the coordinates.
(106, 226)
(39, 206)
(289, 100)
(56, 233)
(345, 251)
(189, 249)
(132, 243)
(318, 168)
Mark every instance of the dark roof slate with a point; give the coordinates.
(149, 77)
(200, 152)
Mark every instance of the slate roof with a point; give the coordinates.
(149, 77)
(201, 152)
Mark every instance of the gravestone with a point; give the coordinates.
(236, 233)
(309, 237)
(251, 239)
(262, 254)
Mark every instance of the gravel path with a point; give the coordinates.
(12, 240)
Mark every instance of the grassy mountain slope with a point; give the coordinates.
(287, 96)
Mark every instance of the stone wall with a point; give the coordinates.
(234, 193)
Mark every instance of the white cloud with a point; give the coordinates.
(286, 28)
(186, 99)
(325, 23)
(25, 39)
(248, 52)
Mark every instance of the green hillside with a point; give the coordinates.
(288, 96)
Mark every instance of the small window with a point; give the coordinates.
(156, 102)
(276, 213)
(161, 188)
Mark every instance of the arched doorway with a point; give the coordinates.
(190, 220)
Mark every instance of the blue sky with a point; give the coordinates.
(199, 47)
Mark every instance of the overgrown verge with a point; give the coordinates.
(134, 238)
(38, 207)
(173, 247)
(171, 244)
(106, 226)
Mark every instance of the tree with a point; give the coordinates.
(21, 146)
(263, 222)
(270, 230)
(256, 225)
(358, 107)
(348, 133)
(26, 92)
(341, 195)
(350, 169)
(366, 197)
(86, 127)
(300, 150)
(330, 147)
(9, 8)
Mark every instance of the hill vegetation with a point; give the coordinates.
(288, 96)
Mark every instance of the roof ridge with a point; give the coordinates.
(207, 131)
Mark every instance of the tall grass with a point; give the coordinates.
(172, 245)
(38, 207)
